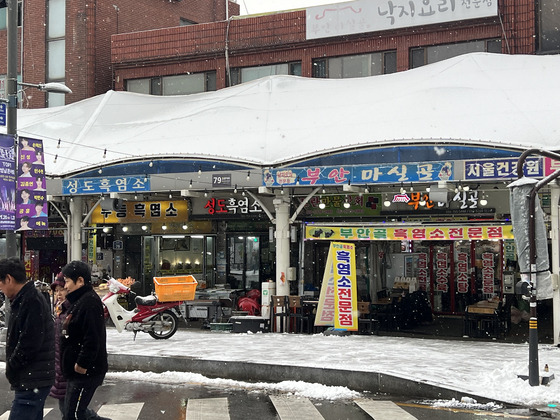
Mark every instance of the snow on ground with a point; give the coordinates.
(487, 369)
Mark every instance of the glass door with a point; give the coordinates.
(244, 262)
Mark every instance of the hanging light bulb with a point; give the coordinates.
(366, 190)
(151, 163)
(483, 201)
(164, 227)
(55, 158)
(190, 183)
(323, 190)
(205, 193)
(466, 188)
(100, 170)
(199, 171)
(322, 205)
(243, 193)
(170, 194)
(125, 229)
(403, 191)
(235, 189)
(105, 154)
(282, 190)
(248, 175)
(346, 203)
(185, 227)
(58, 144)
(144, 227)
(387, 203)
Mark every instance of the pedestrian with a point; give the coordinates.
(83, 341)
(61, 305)
(29, 342)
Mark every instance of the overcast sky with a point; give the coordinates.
(259, 6)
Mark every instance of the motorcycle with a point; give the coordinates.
(159, 319)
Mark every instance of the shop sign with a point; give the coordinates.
(413, 233)
(221, 180)
(360, 174)
(360, 205)
(368, 16)
(423, 271)
(488, 273)
(143, 212)
(442, 272)
(551, 166)
(482, 169)
(338, 297)
(105, 185)
(232, 206)
(462, 272)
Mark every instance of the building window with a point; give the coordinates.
(182, 84)
(548, 15)
(3, 16)
(427, 55)
(355, 65)
(246, 74)
(56, 48)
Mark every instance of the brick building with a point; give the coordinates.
(68, 41)
(197, 57)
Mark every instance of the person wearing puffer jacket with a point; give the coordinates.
(61, 305)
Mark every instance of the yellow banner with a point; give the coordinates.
(143, 212)
(412, 233)
(345, 290)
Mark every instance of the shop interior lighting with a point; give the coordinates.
(125, 228)
(106, 229)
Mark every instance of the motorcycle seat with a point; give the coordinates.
(150, 300)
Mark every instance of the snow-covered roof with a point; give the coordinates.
(508, 101)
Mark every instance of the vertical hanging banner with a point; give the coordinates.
(337, 301)
(32, 208)
(7, 183)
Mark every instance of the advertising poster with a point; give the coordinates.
(7, 183)
(32, 208)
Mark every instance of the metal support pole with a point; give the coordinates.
(282, 207)
(555, 260)
(533, 328)
(75, 229)
(11, 91)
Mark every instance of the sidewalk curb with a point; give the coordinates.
(257, 372)
(360, 381)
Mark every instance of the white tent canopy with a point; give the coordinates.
(508, 101)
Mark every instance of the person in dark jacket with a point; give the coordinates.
(83, 341)
(29, 342)
(61, 305)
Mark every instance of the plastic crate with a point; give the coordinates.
(171, 289)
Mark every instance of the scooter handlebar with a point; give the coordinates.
(116, 287)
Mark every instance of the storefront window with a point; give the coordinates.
(181, 254)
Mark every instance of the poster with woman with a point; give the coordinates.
(7, 183)
(32, 208)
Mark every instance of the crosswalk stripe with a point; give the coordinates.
(294, 408)
(6, 415)
(384, 410)
(207, 409)
(128, 411)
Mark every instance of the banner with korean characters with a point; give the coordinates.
(506, 168)
(7, 183)
(105, 185)
(412, 233)
(551, 166)
(359, 174)
(32, 207)
(143, 212)
(337, 301)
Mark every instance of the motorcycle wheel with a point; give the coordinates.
(170, 325)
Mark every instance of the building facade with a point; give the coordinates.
(69, 41)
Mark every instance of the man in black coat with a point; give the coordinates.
(29, 342)
(83, 341)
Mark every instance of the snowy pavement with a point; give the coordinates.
(484, 368)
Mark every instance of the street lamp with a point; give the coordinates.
(11, 93)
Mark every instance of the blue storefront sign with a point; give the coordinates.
(481, 169)
(105, 185)
(360, 174)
